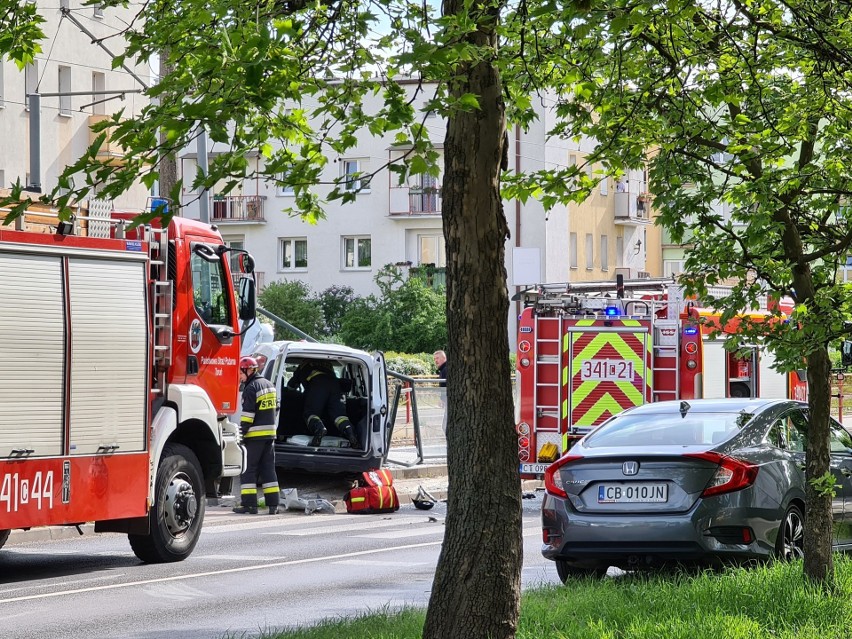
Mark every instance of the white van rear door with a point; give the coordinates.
(379, 411)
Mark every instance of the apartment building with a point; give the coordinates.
(71, 64)
(392, 223)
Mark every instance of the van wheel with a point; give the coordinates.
(4, 535)
(178, 511)
(568, 571)
(791, 535)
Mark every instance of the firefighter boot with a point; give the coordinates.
(349, 433)
(245, 510)
(318, 429)
(273, 510)
(345, 427)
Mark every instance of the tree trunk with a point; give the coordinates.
(476, 591)
(818, 566)
(168, 162)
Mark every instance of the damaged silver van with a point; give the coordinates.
(363, 386)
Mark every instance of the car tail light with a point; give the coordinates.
(552, 477)
(732, 475)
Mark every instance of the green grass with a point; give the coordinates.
(764, 602)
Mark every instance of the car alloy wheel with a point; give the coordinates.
(791, 536)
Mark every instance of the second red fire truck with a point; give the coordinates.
(589, 350)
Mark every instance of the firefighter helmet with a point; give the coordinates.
(248, 362)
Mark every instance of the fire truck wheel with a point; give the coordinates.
(178, 511)
(4, 535)
(568, 571)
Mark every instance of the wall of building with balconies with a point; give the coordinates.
(69, 62)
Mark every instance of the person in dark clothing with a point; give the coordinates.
(441, 364)
(323, 395)
(257, 424)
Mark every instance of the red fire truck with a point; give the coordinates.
(119, 353)
(589, 350)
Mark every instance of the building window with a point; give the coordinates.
(234, 256)
(31, 79)
(590, 251)
(423, 195)
(572, 250)
(356, 252)
(353, 180)
(2, 88)
(672, 267)
(282, 190)
(605, 185)
(432, 250)
(604, 253)
(64, 87)
(294, 253)
(619, 251)
(98, 85)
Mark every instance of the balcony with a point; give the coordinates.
(432, 276)
(415, 201)
(259, 276)
(632, 208)
(109, 151)
(245, 209)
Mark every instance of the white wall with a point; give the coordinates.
(66, 137)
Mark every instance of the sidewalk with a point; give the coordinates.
(407, 480)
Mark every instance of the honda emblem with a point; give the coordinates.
(630, 467)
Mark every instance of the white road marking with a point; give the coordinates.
(401, 534)
(258, 521)
(69, 582)
(372, 563)
(239, 557)
(175, 592)
(215, 573)
(361, 525)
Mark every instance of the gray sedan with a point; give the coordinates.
(704, 481)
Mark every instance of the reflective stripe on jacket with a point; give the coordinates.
(259, 404)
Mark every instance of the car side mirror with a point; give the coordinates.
(247, 299)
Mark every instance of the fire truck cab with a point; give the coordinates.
(589, 350)
(119, 354)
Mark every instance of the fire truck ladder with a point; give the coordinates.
(665, 358)
(548, 361)
(161, 301)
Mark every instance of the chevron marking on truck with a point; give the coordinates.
(608, 371)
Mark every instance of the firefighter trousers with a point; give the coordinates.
(260, 469)
(323, 397)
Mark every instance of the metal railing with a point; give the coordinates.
(237, 208)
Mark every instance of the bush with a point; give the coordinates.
(413, 365)
(334, 302)
(291, 300)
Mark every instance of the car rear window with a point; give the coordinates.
(667, 429)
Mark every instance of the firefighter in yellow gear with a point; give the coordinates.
(257, 423)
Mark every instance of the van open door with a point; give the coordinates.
(380, 406)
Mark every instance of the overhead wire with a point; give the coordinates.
(50, 51)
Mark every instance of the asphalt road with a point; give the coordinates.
(247, 574)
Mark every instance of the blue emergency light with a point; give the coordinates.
(690, 330)
(612, 311)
